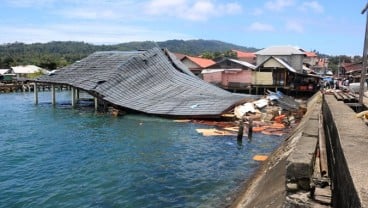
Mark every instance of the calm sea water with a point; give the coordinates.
(63, 157)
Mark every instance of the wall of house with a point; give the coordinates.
(190, 64)
(213, 77)
(296, 61)
(251, 60)
(243, 77)
(262, 78)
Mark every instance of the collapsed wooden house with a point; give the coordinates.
(152, 81)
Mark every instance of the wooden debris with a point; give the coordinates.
(214, 132)
(260, 157)
(182, 121)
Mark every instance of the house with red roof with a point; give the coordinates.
(196, 64)
(231, 74)
(249, 57)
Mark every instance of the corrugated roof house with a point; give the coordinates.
(21, 71)
(292, 55)
(249, 57)
(229, 74)
(278, 72)
(4, 71)
(197, 64)
(151, 81)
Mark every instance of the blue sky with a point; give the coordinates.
(334, 27)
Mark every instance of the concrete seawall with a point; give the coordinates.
(288, 177)
(347, 138)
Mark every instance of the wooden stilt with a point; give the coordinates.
(53, 99)
(96, 103)
(73, 96)
(35, 93)
(241, 129)
(250, 128)
(77, 94)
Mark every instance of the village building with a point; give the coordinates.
(5, 75)
(290, 54)
(321, 67)
(230, 74)
(196, 64)
(25, 71)
(310, 59)
(281, 67)
(249, 57)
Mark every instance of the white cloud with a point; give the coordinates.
(30, 3)
(89, 13)
(100, 10)
(199, 10)
(261, 27)
(294, 26)
(257, 12)
(278, 5)
(91, 33)
(312, 6)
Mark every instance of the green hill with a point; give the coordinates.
(61, 53)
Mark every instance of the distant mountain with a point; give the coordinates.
(60, 53)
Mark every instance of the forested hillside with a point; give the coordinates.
(57, 54)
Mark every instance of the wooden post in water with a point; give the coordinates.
(35, 93)
(241, 129)
(250, 128)
(77, 94)
(96, 103)
(73, 96)
(53, 99)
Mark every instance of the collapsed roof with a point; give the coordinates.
(151, 81)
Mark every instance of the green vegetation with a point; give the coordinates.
(218, 55)
(57, 54)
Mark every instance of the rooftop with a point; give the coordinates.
(280, 50)
(151, 81)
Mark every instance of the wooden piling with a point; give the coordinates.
(250, 128)
(73, 96)
(35, 93)
(96, 103)
(241, 129)
(53, 98)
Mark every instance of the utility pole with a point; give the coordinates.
(364, 69)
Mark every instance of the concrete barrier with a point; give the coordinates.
(347, 147)
(300, 163)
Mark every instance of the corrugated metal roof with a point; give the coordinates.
(281, 61)
(243, 63)
(280, 50)
(202, 62)
(3, 71)
(28, 69)
(242, 54)
(147, 81)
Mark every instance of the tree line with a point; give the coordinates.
(56, 54)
